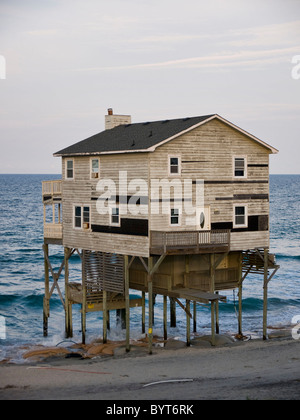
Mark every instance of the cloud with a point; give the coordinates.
(266, 35)
(42, 32)
(245, 58)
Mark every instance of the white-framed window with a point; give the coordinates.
(240, 167)
(114, 216)
(70, 169)
(175, 217)
(174, 163)
(82, 217)
(240, 215)
(95, 168)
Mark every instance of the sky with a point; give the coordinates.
(65, 62)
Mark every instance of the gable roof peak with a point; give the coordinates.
(144, 136)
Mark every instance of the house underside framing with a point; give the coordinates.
(106, 286)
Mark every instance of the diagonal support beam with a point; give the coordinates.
(131, 261)
(55, 277)
(157, 264)
(220, 259)
(184, 308)
(273, 274)
(152, 271)
(144, 264)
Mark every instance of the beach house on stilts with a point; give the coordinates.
(178, 208)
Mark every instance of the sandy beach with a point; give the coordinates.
(255, 370)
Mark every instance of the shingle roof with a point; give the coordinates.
(132, 137)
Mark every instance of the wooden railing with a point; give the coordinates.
(51, 187)
(166, 241)
(51, 191)
(53, 230)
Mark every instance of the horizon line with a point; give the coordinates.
(57, 173)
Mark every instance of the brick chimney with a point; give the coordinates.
(112, 120)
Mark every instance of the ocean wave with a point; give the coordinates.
(27, 302)
(287, 256)
(256, 304)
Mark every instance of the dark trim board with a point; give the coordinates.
(258, 165)
(120, 199)
(258, 223)
(135, 227)
(245, 197)
(238, 181)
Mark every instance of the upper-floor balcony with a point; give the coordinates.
(190, 242)
(51, 190)
(52, 195)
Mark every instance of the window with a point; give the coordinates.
(86, 217)
(240, 216)
(174, 219)
(95, 168)
(70, 169)
(77, 217)
(82, 217)
(174, 165)
(115, 217)
(240, 167)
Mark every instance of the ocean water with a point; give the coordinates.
(22, 273)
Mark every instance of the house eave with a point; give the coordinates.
(117, 152)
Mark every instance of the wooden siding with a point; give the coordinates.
(207, 153)
(249, 240)
(81, 191)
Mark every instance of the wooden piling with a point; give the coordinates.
(188, 324)
(195, 316)
(165, 318)
(265, 309)
(143, 313)
(150, 298)
(127, 303)
(212, 290)
(172, 312)
(104, 316)
(46, 305)
(240, 292)
(121, 318)
(68, 306)
(217, 316)
(83, 305)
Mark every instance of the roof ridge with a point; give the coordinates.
(144, 136)
(174, 119)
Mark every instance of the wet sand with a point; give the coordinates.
(236, 371)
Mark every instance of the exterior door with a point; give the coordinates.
(203, 218)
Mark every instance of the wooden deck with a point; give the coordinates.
(52, 190)
(95, 301)
(191, 242)
(52, 196)
(194, 295)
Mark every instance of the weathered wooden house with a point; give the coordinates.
(176, 207)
